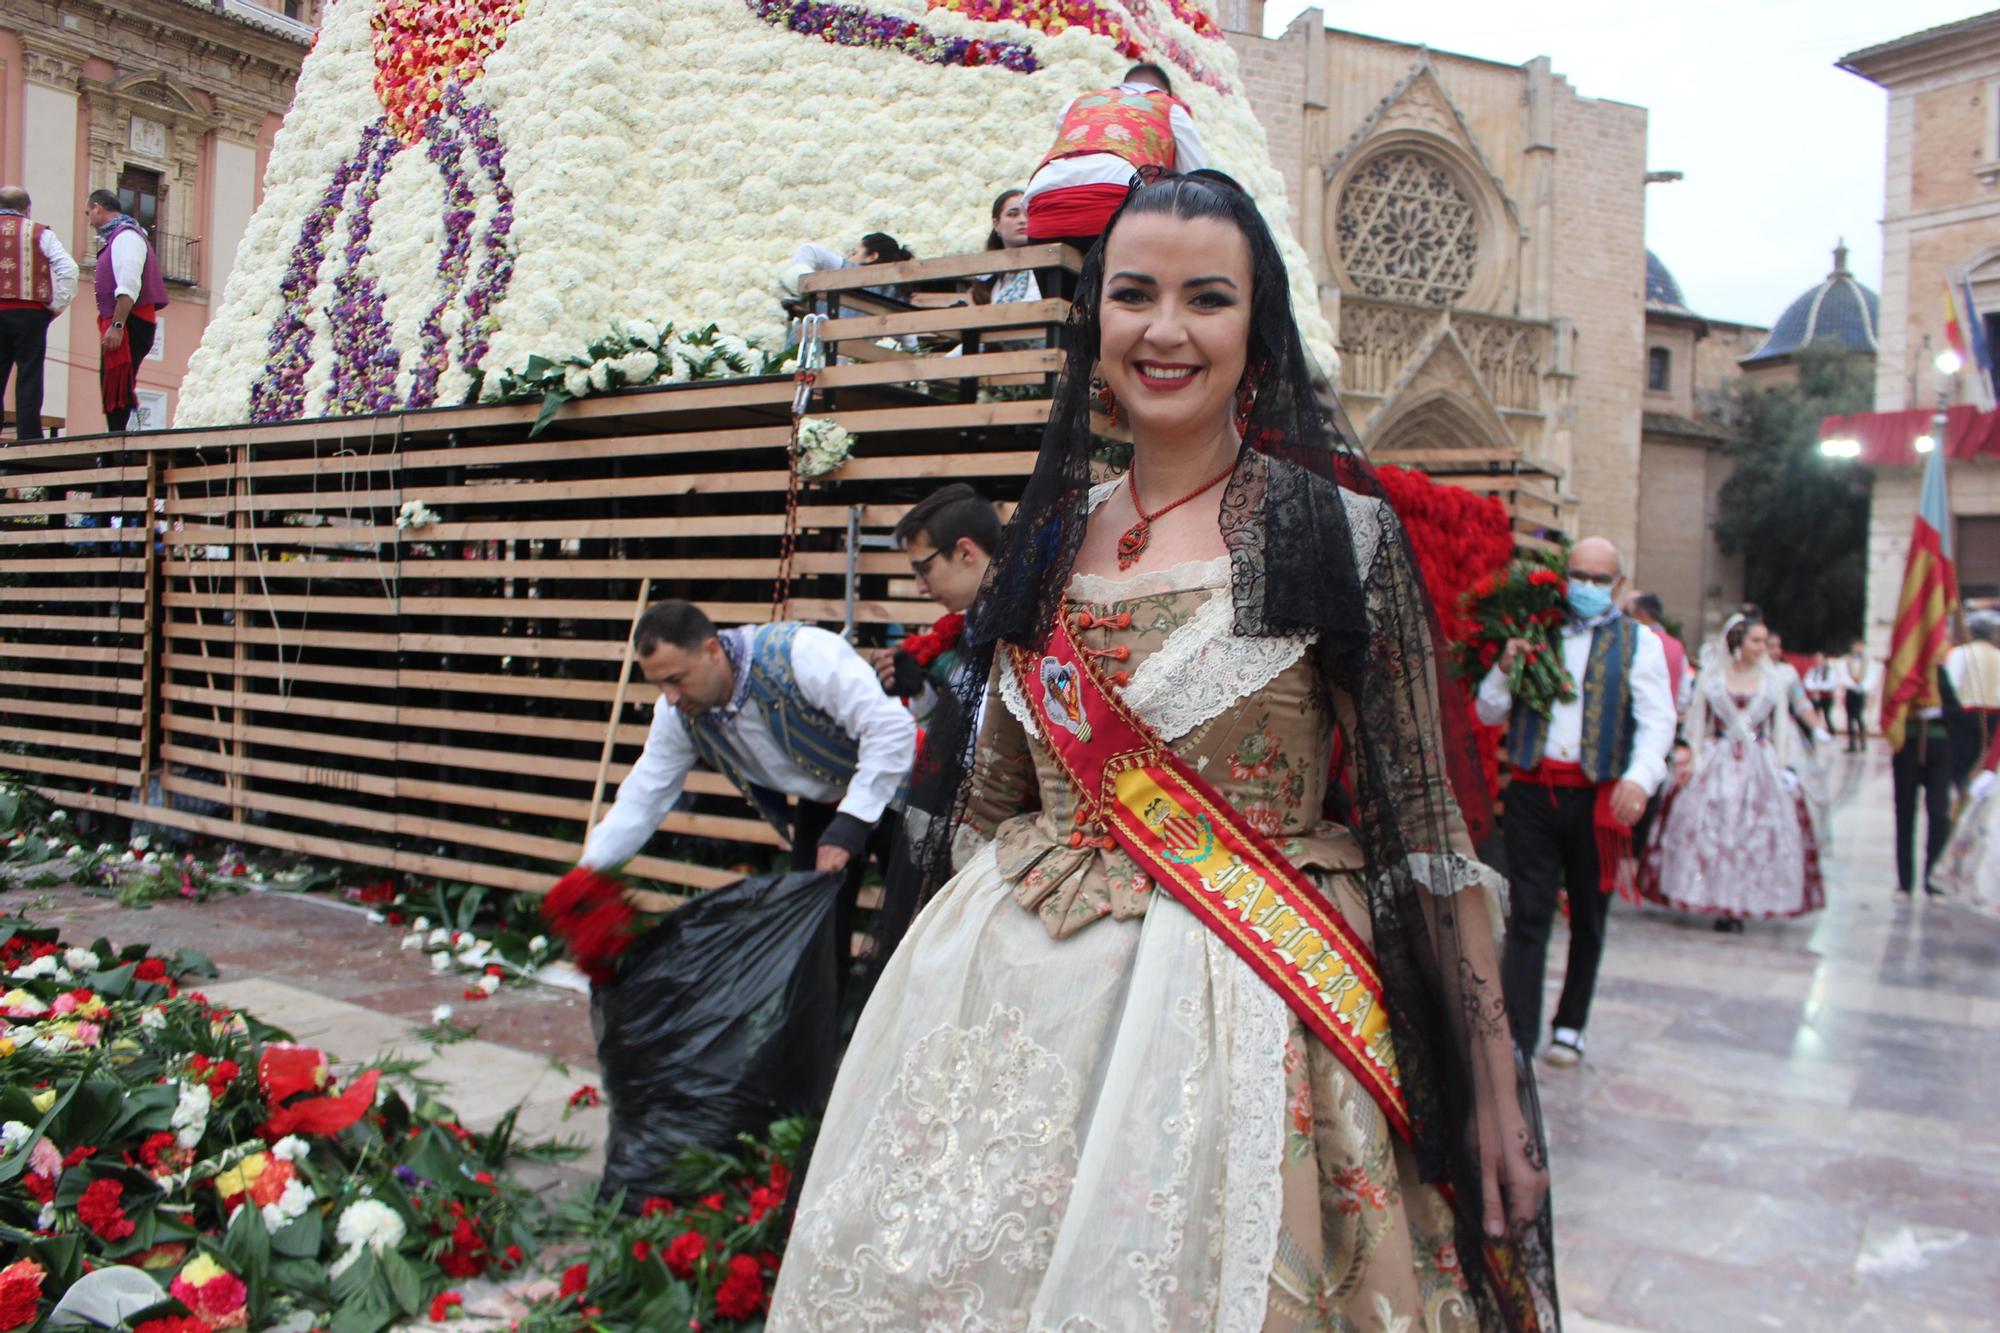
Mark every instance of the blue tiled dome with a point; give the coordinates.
(1661, 289)
(1838, 310)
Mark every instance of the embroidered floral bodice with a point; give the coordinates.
(1251, 714)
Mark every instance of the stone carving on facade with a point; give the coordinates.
(1439, 385)
(1406, 231)
(52, 66)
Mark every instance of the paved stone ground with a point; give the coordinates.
(320, 969)
(1791, 1128)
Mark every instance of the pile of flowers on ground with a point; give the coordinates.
(145, 1129)
(633, 353)
(706, 1262)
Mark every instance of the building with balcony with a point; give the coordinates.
(1941, 249)
(172, 103)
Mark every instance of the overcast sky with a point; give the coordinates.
(1783, 152)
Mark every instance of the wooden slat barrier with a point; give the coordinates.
(225, 631)
(284, 666)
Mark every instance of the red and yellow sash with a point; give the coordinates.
(1193, 842)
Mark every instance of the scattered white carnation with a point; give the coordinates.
(291, 1205)
(366, 1224)
(440, 961)
(537, 944)
(82, 960)
(290, 1148)
(489, 983)
(14, 1135)
(421, 924)
(415, 941)
(190, 1119)
(441, 1014)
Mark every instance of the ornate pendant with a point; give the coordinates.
(1133, 543)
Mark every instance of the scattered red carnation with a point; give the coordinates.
(741, 1294)
(682, 1253)
(20, 1293)
(442, 1305)
(642, 1250)
(102, 1210)
(584, 1098)
(174, 1324)
(575, 1279)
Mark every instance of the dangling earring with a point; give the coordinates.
(1246, 399)
(1105, 398)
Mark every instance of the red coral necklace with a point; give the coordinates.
(1133, 544)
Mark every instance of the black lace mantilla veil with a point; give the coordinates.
(1296, 568)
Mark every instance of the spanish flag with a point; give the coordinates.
(1925, 610)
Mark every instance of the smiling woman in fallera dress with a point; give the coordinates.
(1080, 1098)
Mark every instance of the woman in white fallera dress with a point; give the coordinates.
(1069, 1104)
(1740, 840)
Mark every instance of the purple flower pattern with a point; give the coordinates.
(366, 361)
(851, 25)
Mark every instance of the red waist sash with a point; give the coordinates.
(1195, 845)
(1615, 868)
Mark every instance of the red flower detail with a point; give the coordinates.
(943, 636)
(642, 1250)
(289, 1075)
(741, 1294)
(575, 1279)
(20, 1293)
(657, 1208)
(585, 1097)
(442, 1305)
(467, 1255)
(102, 1210)
(682, 1253)
(77, 1155)
(587, 910)
(150, 969)
(174, 1324)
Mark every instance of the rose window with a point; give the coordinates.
(1407, 232)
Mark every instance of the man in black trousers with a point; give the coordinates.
(1581, 778)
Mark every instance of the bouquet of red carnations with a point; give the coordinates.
(1523, 601)
(588, 912)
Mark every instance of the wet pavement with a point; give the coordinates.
(1791, 1128)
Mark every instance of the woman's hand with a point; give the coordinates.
(1513, 1182)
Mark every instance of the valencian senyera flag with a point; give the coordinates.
(1925, 610)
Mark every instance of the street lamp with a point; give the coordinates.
(1948, 362)
(1924, 443)
(1840, 447)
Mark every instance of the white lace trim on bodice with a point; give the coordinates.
(1200, 672)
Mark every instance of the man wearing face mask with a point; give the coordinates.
(1581, 779)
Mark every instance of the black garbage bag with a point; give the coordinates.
(723, 1019)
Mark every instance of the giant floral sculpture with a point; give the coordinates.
(464, 184)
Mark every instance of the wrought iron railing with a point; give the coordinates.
(180, 258)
